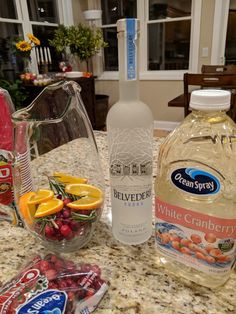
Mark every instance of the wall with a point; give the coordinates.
(207, 19)
(154, 93)
(78, 7)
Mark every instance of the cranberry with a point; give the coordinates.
(65, 230)
(66, 201)
(81, 294)
(53, 259)
(69, 282)
(70, 265)
(66, 213)
(59, 214)
(62, 284)
(51, 274)
(74, 225)
(58, 223)
(59, 265)
(71, 295)
(43, 266)
(66, 221)
(96, 269)
(89, 292)
(52, 285)
(85, 268)
(49, 231)
(84, 212)
(59, 196)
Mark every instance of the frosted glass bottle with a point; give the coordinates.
(130, 134)
(196, 193)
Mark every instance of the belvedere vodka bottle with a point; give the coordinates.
(130, 134)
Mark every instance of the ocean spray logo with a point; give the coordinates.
(47, 302)
(195, 181)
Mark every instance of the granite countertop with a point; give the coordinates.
(137, 283)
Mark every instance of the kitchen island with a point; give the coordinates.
(137, 283)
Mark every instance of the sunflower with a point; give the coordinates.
(34, 39)
(23, 45)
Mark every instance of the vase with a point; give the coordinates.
(26, 65)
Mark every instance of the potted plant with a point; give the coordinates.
(82, 41)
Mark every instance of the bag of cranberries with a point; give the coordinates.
(53, 285)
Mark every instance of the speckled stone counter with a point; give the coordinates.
(137, 283)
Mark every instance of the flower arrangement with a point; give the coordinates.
(24, 47)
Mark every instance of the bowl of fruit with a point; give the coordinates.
(64, 215)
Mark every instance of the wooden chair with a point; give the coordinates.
(221, 81)
(219, 69)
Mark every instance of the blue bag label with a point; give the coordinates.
(195, 181)
(47, 302)
(131, 49)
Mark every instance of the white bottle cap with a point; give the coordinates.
(210, 99)
(122, 24)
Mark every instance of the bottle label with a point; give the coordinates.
(131, 49)
(7, 200)
(201, 241)
(131, 182)
(195, 181)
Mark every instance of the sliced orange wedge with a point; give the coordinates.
(91, 196)
(27, 211)
(49, 207)
(40, 196)
(66, 178)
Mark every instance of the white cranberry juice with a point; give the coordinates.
(195, 199)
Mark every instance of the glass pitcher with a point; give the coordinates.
(66, 198)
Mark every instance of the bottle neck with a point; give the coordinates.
(128, 64)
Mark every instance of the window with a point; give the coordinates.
(40, 17)
(111, 12)
(230, 45)
(169, 27)
(169, 34)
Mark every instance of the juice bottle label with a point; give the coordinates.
(195, 181)
(7, 196)
(204, 242)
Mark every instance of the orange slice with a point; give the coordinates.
(66, 178)
(27, 211)
(40, 196)
(50, 207)
(91, 196)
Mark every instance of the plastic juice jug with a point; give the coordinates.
(195, 193)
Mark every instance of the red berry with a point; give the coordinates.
(70, 265)
(44, 266)
(65, 230)
(74, 225)
(52, 285)
(66, 201)
(51, 274)
(53, 259)
(62, 284)
(69, 282)
(96, 269)
(89, 293)
(66, 213)
(49, 231)
(59, 265)
(71, 295)
(58, 223)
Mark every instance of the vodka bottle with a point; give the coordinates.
(130, 133)
(196, 193)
